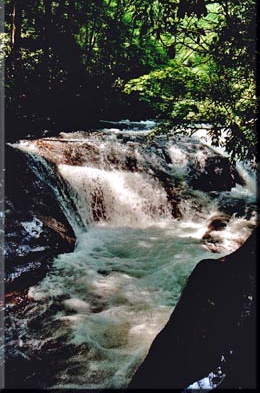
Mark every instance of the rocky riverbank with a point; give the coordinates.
(210, 339)
(143, 218)
(36, 230)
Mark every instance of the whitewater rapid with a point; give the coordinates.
(105, 302)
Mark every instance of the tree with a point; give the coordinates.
(212, 76)
(73, 53)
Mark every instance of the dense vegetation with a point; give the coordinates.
(69, 63)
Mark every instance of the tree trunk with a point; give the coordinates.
(16, 26)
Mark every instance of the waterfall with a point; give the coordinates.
(119, 197)
(48, 173)
(140, 212)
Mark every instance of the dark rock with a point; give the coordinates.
(32, 237)
(169, 184)
(213, 320)
(235, 205)
(216, 223)
(216, 174)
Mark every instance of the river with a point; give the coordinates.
(97, 311)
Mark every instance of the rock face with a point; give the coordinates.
(212, 329)
(184, 167)
(35, 228)
(215, 175)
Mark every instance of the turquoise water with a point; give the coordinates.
(104, 303)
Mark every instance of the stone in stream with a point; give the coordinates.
(37, 230)
(229, 205)
(216, 224)
(215, 174)
(181, 166)
(212, 330)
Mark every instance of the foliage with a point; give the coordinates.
(189, 61)
(71, 55)
(212, 78)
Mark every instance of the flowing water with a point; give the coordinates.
(99, 308)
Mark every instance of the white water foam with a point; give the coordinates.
(148, 124)
(119, 197)
(178, 157)
(116, 291)
(122, 285)
(33, 228)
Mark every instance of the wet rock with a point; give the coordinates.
(216, 173)
(210, 238)
(36, 229)
(235, 205)
(213, 325)
(34, 366)
(216, 223)
(201, 167)
(168, 182)
(33, 371)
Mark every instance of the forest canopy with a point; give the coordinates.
(186, 62)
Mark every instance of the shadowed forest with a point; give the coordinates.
(72, 63)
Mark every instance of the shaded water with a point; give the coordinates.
(104, 303)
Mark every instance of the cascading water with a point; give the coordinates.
(139, 225)
(47, 173)
(118, 197)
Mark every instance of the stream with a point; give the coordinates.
(139, 210)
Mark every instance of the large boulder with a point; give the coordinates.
(212, 331)
(35, 227)
(215, 173)
(240, 206)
